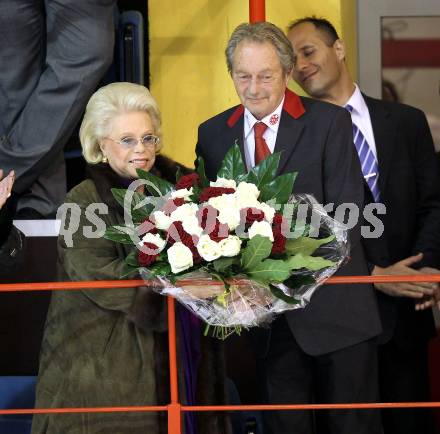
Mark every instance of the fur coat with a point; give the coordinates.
(108, 347)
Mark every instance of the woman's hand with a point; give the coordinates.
(6, 186)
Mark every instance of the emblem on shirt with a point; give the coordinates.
(274, 119)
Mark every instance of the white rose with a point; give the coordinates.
(223, 182)
(179, 257)
(261, 228)
(161, 220)
(223, 201)
(269, 212)
(244, 201)
(247, 195)
(184, 211)
(229, 215)
(182, 193)
(155, 239)
(208, 249)
(230, 246)
(191, 226)
(248, 189)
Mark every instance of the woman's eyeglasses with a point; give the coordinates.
(149, 141)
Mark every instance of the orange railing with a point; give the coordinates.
(175, 409)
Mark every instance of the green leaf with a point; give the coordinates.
(179, 173)
(232, 166)
(313, 263)
(306, 245)
(223, 265)
(270, 270)
(279, 189)
(282, 296)
(257, 249)
(120, 234)
(128, 271)
(119, 195)
(156, 186)
(295, 281)
(200, 169)
(141, 206)
(196, 193)
(160, 269)
(132, 258)
(264, 172)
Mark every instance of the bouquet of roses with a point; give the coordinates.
(235, 251)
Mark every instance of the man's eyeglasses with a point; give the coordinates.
(149, 141)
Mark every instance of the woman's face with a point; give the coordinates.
(123, 159)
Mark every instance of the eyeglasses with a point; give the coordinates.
(149, 141)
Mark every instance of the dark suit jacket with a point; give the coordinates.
(316, 140)
(409, 182)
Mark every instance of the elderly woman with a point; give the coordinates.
(108, 347)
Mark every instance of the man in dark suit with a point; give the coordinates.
(53, 55)
(403, 175)
(327, 351)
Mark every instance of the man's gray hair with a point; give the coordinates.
(261, 32)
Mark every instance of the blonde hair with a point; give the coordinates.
(108, 102)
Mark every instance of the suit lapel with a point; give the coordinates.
(384, 130)
(235, 132)
(289, 133)
(290, 129)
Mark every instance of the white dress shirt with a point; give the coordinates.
(270, 135)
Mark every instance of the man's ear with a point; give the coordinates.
(288, 76)
(339, 47)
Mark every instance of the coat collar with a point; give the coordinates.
(292, 105)
(105, 178)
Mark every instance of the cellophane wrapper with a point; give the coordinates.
(247, 303)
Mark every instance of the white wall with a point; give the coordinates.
(369, 14)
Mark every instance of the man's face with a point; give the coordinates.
(258, 77)
(317, 67)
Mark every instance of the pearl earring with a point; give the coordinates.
(104, 159)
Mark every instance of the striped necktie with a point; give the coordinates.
(368, 160)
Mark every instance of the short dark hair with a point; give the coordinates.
(321, 24)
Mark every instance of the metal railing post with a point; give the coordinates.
(174, 408)
(257, 11)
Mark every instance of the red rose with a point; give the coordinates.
(219, 232)
(250, 215)
(147, 227)
(279, 227)
(196, 256)
(279, 244)
(187, 181)
(177, 233)
(207, 217)
(172, 204)
(148, 257)
(209, 192)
